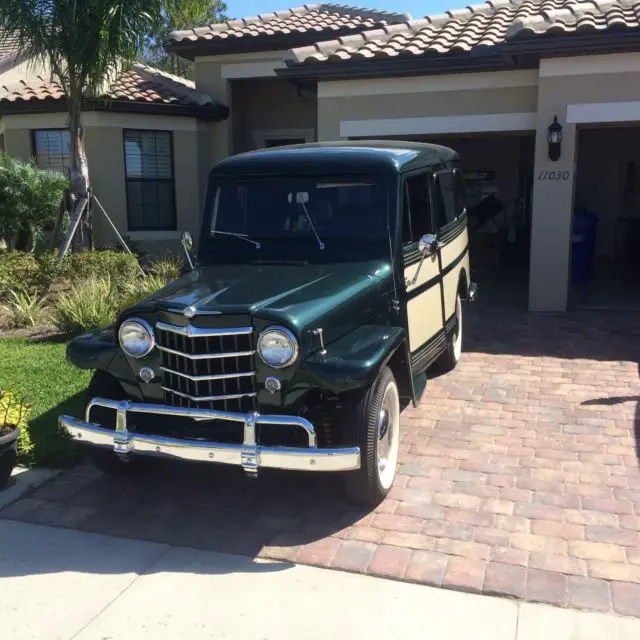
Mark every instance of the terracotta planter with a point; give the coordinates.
(8, 455)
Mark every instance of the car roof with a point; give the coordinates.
(340, 157)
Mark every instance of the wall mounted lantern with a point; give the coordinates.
(554, 137)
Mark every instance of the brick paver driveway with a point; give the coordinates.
(518, 476)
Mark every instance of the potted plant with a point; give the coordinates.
(12, 415)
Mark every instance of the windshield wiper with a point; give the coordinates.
(240, 236)
(306, 213)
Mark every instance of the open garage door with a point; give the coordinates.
(605, 253)
(498, 170)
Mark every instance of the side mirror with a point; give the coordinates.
(428, 244)
(187, 245)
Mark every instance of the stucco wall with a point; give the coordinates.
(419, 97)
(267, 104)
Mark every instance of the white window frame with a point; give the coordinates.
(261, 136)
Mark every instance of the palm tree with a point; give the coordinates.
(85, 43)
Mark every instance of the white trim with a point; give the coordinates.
(603, 112)
(438, 125)
(428, 84)
(260, 136)
(250, 69)
(585, 65)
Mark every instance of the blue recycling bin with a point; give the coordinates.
(583, 245)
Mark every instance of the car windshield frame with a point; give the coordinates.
(314, 240)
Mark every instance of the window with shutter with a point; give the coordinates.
(148, 159)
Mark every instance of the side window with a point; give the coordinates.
(459, 192)
(445, 200)
(416, 212)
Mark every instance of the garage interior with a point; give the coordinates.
(607, 190)
(498, 170)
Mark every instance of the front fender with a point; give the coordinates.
(93, 350)
(354, 360)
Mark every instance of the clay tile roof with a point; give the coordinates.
(138, 84)
(148, 84)
(38, 88)
(313, 18)
(474, 27)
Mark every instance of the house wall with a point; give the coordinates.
(263, 105)
(105, 153)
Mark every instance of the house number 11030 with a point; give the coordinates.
(545, 174)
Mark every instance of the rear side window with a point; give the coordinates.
(459, 192)
(445, 198)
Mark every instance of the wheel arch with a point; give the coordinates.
(399, 363)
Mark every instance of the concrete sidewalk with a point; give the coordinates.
(58, 584)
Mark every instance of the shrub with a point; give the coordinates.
(91, 304)
(24, 308)
(29, 199)
(114, 265)
(167, 267)
(138, 289)
(19, 267)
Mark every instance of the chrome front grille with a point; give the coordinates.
(207, 368)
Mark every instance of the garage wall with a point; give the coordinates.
(564, 82)
(420, 97)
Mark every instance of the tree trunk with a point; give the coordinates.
(79, 183)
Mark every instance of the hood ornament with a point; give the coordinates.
(189, 312)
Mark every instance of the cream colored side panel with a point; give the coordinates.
(424, 312)
(450, 252)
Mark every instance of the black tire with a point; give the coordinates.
(365, 486)
(448, 361)
(105, 385)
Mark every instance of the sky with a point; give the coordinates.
(417, 8)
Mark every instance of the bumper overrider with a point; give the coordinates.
(249, 455)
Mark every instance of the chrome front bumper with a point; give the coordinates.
(249, 455)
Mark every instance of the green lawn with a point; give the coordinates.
(51, 386)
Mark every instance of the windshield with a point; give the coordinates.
(308, 208)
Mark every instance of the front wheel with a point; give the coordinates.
(376, 418)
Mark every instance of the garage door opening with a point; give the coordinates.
(498, 171)
(605, 252)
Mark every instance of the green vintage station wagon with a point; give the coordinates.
(328, 280)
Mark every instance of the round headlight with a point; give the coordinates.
(277, 347)
(136, 338)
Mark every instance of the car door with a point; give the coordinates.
(450, 219)
(425, 321)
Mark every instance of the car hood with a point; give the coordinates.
(297, 295)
